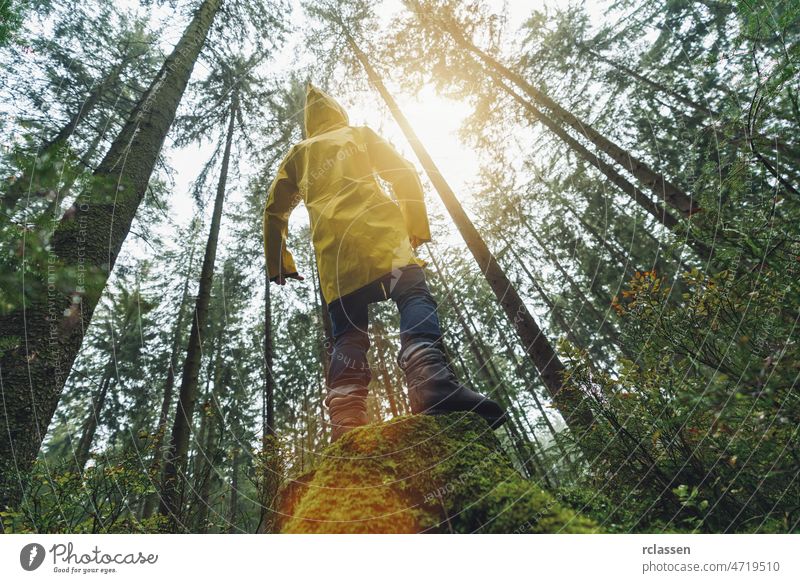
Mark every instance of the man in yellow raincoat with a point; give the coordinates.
(364, 244)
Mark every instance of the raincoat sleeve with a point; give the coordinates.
(282, 198)
(402, 175)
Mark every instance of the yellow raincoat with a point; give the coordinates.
(359, 233)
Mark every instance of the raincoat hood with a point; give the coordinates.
(322, 112)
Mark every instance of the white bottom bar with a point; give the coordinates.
(406, 558)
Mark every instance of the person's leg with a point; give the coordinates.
(348, 373)
(418, 317)
(349, 323)
(432, 385)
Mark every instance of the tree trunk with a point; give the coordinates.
(268, 413)
(521, 370)
(88, 106)
(84, 248)
(656, 182)
(782, 148)
(207, 454)
(568, 401)
(599, 293)
(656, 209)
(381, 348)
(557, 315)
(700, 108)
(234, 501)
(89, 426)
(647, 231)
(619, 256)
(325, 343)
(53, 209)
(175, 466)
(327, 329)
(169, 385)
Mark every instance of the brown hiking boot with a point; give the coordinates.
(347, 407)
(433, 388)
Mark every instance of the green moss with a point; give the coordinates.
(422, 474)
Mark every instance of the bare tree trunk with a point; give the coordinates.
(54, 207)
(268, 413)
(207, 453)
(266, 492)
(234, 501)
(520, 369)
(661, 88)
(781, 147)
(84, 248)
(92, 420)
(494, 382)
(568, 400)
(381, 347)
(325, 343)
(585, 301)
(557, 315)
(176, 459)
(619, 256)
(655, 209)
(166, 400)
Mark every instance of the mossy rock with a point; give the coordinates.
(421, 474)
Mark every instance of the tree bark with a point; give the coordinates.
(557, 315)
(656, 209)
(84, 248)
(176, 459)
(495, 384)
(568, 401)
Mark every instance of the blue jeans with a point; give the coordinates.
(350, 322)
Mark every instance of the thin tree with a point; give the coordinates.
(176, 458)
(169, 386)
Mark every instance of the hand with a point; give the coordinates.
(281, 279)
(416, 241)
